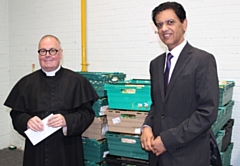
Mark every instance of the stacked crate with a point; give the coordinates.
(130, 100)
(98, 80)
(128, 104)
(95, 151)
(223, 125)
(95, 144)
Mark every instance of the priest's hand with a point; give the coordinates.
(35, 124)
(57, 120)
(147, 138)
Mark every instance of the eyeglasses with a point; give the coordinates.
(52, 51)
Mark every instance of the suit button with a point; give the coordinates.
(163, 116)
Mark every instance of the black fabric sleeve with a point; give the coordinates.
(19, 121)
(80, 120)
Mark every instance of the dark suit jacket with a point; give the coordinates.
(183, 117)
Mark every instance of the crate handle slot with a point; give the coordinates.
(128, 116)
(128, 140)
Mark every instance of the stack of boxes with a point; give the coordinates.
(223, 125)
(113, 139)
(129, 103)
(95, 144)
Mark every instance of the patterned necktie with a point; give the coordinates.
(166, 73)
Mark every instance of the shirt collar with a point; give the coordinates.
(177, 50)
(51, 73)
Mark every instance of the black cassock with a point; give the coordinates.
(67, 93)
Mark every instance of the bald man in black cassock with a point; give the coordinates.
(58, 91)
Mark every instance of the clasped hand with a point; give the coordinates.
(36, 124)
(150, 143)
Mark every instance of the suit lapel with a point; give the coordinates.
(182, 61)
(161, 75)
(157, 74)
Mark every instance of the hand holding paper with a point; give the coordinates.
(36, 137)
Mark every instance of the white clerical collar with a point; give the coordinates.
(51, 73)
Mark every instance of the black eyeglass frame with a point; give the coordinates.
(49, 51)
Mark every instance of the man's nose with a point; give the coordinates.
(164, 27)
(48, 53)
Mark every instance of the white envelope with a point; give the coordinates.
(36, 137)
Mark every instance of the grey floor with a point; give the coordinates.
(11, 157)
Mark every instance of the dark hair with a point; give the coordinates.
(176, 7)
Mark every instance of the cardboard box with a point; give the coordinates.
(97, 129)
(125, 121)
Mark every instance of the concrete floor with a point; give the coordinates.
(11, 157)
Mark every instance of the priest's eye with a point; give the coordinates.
(52, 52)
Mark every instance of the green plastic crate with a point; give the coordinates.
(225, 92)
(224, 114)
(99, 79)
(94, 150)
(219, 138)
(99, 105)
(125, 145)
(217, 124)
(132, 94)
(226, 156)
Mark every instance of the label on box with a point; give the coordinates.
(140, 105)
(127, 140)
(145, 105)
(135, 85)
(102, 110)
(116, 120)
(137, 130)
(129, 91)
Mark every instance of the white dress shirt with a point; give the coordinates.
(175, 52)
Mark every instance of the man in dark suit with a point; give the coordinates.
(177, 130)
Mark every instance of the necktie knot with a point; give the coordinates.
(169, 56)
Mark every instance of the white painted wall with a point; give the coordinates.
(118, 39)
(5, 127)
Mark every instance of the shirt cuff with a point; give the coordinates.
(145, 126)
(64, 130)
